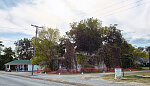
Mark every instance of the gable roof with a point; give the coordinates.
(19, 62)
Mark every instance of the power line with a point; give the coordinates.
(126, 9)
(112, 5)
(106, 13)
(120, 7)
(107, 7)
(15, 28)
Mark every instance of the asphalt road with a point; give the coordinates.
(11, 80)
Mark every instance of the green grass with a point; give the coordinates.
(139, 77)
(145, 68)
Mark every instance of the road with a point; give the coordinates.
(11, 80)
(93, 79)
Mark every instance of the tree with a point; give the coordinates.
(141, 48)
(47, 48)
(86, 34)
(7, 57)
(110, 55)
(139, 53)
(148, 49)
(81, 58)
(128, 55)
(61, 47)
(8, 53)
(70, 58)
(24, 49)
(112, 35)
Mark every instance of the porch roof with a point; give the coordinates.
(19, 62)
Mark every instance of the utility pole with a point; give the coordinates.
(149, 56)
(35, 45)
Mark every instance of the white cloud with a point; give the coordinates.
(59, 13)
(8, 42)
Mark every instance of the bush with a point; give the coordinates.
(89, 66)
(137, 66)
(46, 70)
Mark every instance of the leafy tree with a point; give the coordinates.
(8, 53)
(128, 54)
(61, 47)
(7, 57)
(127, 58)
(2, 62)
(24, 49)
(139, 53)
(70, 58)
(112, 35)
(141, 48)
(81, 58)
(127, 61)
(110, 55)
(86, 34)
(131, 55)
(47, 48)
(148, 50)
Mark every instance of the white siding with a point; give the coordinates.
(35, 67)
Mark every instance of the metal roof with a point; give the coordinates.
(19, 62)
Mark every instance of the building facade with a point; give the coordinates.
(21, 65)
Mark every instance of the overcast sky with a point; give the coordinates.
(16, 17)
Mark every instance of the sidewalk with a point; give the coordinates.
(92, 79)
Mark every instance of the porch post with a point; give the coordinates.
(18, 68)
(9, 66)
(5, 67)
(22, 67)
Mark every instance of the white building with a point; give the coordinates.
(21, 65)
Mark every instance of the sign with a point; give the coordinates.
(118, 73)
